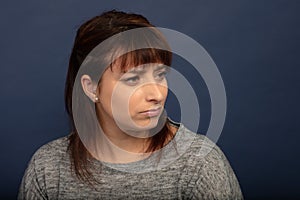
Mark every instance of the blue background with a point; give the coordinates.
(255, 45)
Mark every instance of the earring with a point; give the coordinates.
(96, 98)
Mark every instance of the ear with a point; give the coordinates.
(89, 87)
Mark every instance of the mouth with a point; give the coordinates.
(152, 112)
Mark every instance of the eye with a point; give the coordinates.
(161, 75)
(131, 80)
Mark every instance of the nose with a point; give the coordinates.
(155, 92)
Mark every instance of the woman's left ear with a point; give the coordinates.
(89, 87)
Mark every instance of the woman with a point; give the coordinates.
(122, 145)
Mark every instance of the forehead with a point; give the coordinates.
(137, 58)
(123, 65)
(136, 69)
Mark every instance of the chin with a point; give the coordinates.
(147, 124)
(141, 127)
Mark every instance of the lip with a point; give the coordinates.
(152, 112)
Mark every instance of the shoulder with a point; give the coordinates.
(205, 149)
(51, 151)
(203, 153)
(48, 159)
(54, 147)
(43, 170)
(207, 169)
(198, 146)
(49, 156)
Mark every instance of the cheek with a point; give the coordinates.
(164, 91)
(121, 100)
(163, 88)
(135, 100)
(105, 96)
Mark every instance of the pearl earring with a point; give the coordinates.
(96, 99)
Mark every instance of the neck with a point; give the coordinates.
(123, 140)
(116, 146)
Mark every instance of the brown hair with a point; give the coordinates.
(88, 36)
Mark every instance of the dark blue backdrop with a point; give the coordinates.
(255, 44)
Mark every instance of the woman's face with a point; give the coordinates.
(133, 100)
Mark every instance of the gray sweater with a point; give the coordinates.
(189, 167)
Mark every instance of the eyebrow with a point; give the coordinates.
(137, 70)
(142, 70)
(160, 67)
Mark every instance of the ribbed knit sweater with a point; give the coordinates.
(195, 169)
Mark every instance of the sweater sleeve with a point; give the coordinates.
(42, 176)
(31, 187)
(214, 177)
(211, 176)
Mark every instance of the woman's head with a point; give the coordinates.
(131, 69)
(109, 24)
